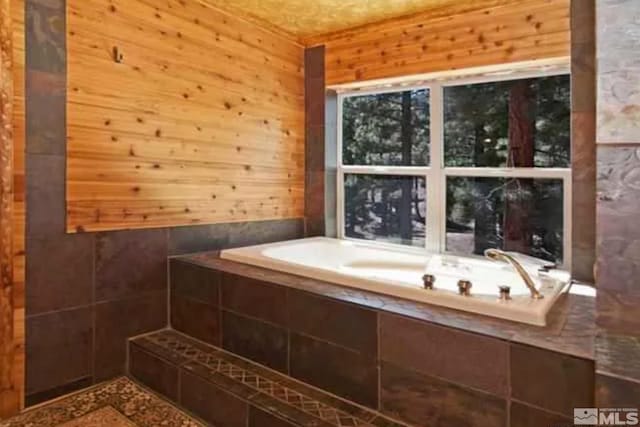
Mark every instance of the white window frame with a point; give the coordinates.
(436, 173)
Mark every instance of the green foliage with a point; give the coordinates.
(372, 129)
(392, 129)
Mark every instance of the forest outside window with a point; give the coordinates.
(459, 166)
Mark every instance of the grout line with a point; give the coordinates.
(164, 398)
(46, 313)
(179, 383)
(219, 308)
(169, 293)
(540, 408)
(604, 372)
(287, 311)
(293, 331)
(127, 363)
(71, 394)
(90, 305)
(452, 382)
(160, 357)
(509, 385)
(94, 248)
(379, 359)
(146, 334)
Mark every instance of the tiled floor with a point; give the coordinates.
(119, 403)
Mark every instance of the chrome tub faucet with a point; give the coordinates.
(499, 255)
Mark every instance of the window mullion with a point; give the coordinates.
(340, 222)
(386, 170)
(435, 178)
(496, 172)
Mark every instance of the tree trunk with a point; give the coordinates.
(518, 192)
(405, 211)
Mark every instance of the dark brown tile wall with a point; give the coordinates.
(550, 380)
(260, 418)
(117, 320)
(157, 373)
(256, 340)
(615, 355)
(314, 84)
(210, 403)
(429, 401)
(87, 293)
(334, 368)
(52, 393)
(613, 392)
(200, 238)
(59, 349)
(468, 359)
(129, 263)
(415, 370)
(194, 282)
(527, 416)
(618, 267)
(344, 324)
(583, 137)
(196, 318)
(195, 301)
(618, 233)
(618, 207)
(254, 298)
(53, 283)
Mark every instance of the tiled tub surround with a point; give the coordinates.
(399, 273)
(226, 390)
(618, 203)
(422, 364)
(618, 62)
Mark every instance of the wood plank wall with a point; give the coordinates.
(7, 394)
(201, 122)
(19, 197)
(12, 369)
(517, 31)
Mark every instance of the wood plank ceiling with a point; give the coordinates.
(303, 18)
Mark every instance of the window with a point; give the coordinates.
(459, 166)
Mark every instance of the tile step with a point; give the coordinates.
(238, 391)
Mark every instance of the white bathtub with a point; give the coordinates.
(399, 273)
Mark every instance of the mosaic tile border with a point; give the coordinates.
(136, 404)
(261, 382)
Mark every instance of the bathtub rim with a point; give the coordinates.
(532, 312)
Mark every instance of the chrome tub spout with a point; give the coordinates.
(499, 255)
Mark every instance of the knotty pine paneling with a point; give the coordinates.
(19, 205)
(12, 385)
(201, 122)
(514, 32)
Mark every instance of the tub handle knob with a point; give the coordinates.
(464, 287)
(428, 280)
(505, 293)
